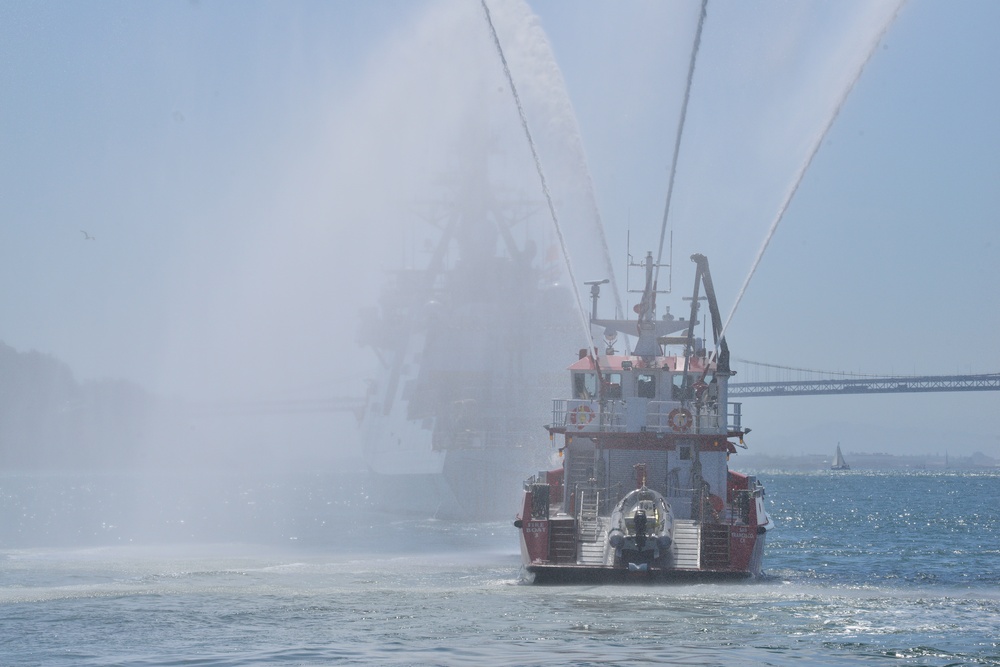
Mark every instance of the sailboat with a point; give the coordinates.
(839, 463)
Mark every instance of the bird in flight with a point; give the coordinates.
(86, 236)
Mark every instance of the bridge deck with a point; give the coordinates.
(874, 385)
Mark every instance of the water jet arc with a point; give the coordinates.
(588, 334)
(808, 162)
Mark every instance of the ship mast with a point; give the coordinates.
(648, 329)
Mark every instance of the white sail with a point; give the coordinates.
(839, 463)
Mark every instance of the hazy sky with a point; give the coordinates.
(222, 155)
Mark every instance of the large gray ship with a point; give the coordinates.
(469, 345)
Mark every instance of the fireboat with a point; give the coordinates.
(644, 492)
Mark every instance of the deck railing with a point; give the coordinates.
(735, 417)
(689, 505)
(655, 416)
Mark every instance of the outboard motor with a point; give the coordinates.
(640, 529)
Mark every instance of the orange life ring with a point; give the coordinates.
(581, 415)
(679, 419)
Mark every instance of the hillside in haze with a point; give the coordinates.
(50, 420)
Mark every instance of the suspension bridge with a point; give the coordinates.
(767, 380)
(791, 381)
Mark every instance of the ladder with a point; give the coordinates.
(687, 544)
(562, 541)
(593, 529)
(715, 545)
(581, 469)
(588, 502)
(597, 552)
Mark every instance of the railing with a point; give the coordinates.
(867, 385)
(587, 416)
(686, 501)
(735, 417)
(667, 416)
(578, 415)
(658, 415)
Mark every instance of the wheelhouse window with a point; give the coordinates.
(645, 386)
(613, 386)
(679, 391)
(584, 386)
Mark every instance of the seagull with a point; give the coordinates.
(86, 236)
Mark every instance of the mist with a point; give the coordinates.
(252, 179)
(227, 226)
(243, 196)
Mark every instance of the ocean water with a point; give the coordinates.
(895, 568)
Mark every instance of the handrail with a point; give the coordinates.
(582, 495)
(588, 416)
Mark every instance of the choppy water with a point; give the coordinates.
(864, 568)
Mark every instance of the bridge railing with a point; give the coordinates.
(869, 385)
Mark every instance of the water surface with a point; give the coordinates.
(864, 568)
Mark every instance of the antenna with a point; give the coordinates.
(595, 292)
(632, 264)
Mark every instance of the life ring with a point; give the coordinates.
(679, 419)
(581, 415)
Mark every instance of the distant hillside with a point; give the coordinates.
(866, 461)
(49, 420)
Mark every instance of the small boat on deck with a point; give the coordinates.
(839, 462)
(642, 528)
(644, 492)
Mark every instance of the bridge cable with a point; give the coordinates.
(847, 374)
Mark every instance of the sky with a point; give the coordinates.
(242, 168)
